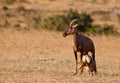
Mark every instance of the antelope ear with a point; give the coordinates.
(74, 26)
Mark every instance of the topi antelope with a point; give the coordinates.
(81, 43)
(88, 63)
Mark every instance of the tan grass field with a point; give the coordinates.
(46, 56)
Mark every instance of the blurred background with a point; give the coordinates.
(98, 16)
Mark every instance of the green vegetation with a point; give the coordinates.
(58, 22)
(61, 22)
(106, 29)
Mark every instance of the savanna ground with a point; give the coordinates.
(46, 57)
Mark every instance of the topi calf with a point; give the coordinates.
(88, 63)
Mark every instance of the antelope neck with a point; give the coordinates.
(75, 37)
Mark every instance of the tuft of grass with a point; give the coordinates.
(106, 30)
(17, 25)
(20, 8)
(5, 8)
(6, 24)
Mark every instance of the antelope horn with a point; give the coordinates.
(73, 21)
(74, 26)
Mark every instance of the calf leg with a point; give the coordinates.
(81, 71)
(81, 67)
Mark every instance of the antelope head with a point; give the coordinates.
(71, 28)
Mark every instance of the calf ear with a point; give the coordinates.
(74, 26)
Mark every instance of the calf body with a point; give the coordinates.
(88, 63)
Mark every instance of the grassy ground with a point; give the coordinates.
(47, 57)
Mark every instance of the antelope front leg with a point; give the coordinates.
(81, 67)
(76, 59)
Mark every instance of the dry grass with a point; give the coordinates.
(32, 57)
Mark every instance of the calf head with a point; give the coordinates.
(88, 63)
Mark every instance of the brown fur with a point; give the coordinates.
(82, 43)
